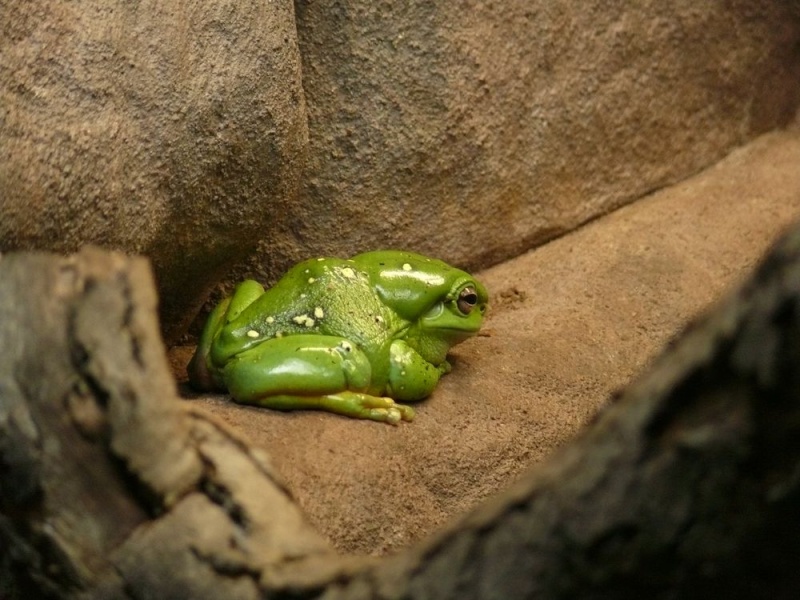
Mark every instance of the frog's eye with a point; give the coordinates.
(467, 299)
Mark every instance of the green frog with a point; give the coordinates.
(356, 336)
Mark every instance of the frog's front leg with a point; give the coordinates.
(411, 377)
(310, 372)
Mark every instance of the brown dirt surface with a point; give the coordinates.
(570, 323)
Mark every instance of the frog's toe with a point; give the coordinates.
(398, 413)
(406, 412)
(352, 404)
(388, 415)
(389, 411)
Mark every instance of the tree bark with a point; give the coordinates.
(688, 485)
(111, 487)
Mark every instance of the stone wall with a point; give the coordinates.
(475, 130)
(175, 130)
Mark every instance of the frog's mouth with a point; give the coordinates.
(446, 318)
(465, 328)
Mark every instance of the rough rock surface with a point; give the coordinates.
(476, 130)
(568, 324)
(469, 130)
(171, 130)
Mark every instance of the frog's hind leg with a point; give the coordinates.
(247, 292)
(310, 372)
(349, 404)
(200, 376)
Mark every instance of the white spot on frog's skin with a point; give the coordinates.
(311, 280)
(304, 320)
(270, 319)
(349, 273)
(320, 259)
(302, 295)
(319, 313)
(279, 334)
(406, 267)
(252, 333)
(378, 319)
(346, 346)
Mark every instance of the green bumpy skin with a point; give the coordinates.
(348, 336)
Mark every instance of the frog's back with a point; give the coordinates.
(328, 296)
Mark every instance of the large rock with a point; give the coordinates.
(474, 131)
(173, 130)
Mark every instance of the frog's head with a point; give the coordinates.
(443, 305)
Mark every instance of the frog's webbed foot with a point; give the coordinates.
(350, 404)
(364, 406)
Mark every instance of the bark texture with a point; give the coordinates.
(110, 487)
(687, 486)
